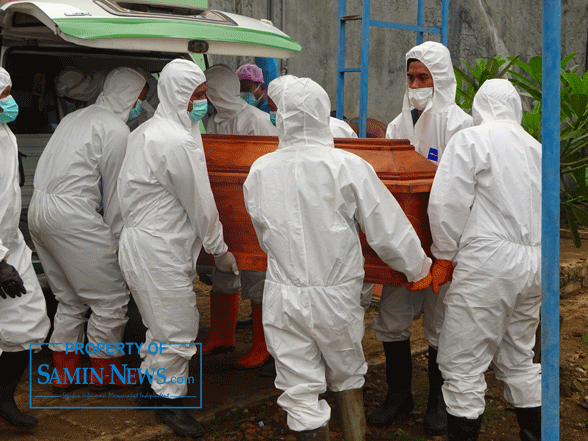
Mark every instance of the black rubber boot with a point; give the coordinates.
(436, 415)
(529, 419)
(398, 399)
(463, 429)
(180, 420)
(147, 396)
(12, 365)
(320, 434)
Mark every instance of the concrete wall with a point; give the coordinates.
(477, 29)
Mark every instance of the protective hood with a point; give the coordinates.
(223, 92)
(303, 115)
(437, 59)
(497, 100)
(122, 87)
(276, 87)
(5, 80)
(177, 82)
(73, 83)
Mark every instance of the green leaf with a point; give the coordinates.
(508, 66)
(573, 230)
(585, 366)
(567, 59)
(580, 214)
(578, 104)
(464, 76)
(492, 68)
(536, 64)
(576, 82)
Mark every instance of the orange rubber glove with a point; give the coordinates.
(419, 285)
(441, 271)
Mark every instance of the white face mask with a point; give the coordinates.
(419, 98)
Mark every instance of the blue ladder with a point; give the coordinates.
(366, 22)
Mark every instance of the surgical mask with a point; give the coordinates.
(273, 118)
(199, 108)
(249, 98)
(136, 111)
(9, 110)
(419, 98)
(71, 107)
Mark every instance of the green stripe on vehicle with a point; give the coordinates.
(187, 3)
(96, 28)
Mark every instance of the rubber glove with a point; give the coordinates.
(226, 263)
(10, 282)
(441, 271)
(419, 285)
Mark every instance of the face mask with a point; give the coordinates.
(71, 107)
(419, 98)
(210, 110)
(136, 111)
(199, 108)
(249, 98)
(273, 118)
(9, 110)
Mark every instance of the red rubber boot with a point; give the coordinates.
(62, 361)
(107, 378)
(224, 310)
(258, 354)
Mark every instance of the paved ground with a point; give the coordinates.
(227, 389)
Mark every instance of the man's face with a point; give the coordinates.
(199, 94)
(418, 76)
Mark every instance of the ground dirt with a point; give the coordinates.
(241, 404)
(499, 419)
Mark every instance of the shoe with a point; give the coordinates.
(146, 396)
(12, 366)
(258, 354)
(179, 420)
(529, 419)
(224, 310)
(463, 429)
(398, 399)
(107, 378)
(320, 434)
(350, 404)
(61, 362)
(436, 414)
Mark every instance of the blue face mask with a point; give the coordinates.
(135, 111)
(71, 107)
(210, 110)
(199, 109)
(9, 110)
(273, 118)
(249, 98)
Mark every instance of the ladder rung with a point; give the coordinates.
(351, 17)
(350, 70)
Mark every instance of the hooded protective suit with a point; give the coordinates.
(74, 216)
(485, 214)
(306, 201)
(233, 115)
(440, 120)
(23, 320)
(169, 214)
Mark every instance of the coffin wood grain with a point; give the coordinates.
(406, 174)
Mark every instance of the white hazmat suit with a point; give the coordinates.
(306, 201)
(485, 214)
(23, 319)
(169, 214)
(74, 216)
(440, 120)
(233, 115)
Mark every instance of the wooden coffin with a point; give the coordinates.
(405, 173)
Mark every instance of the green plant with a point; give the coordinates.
(574, 132)
(469, 82)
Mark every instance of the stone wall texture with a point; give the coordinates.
(477, 29)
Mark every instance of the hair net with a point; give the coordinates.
(250, 72)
